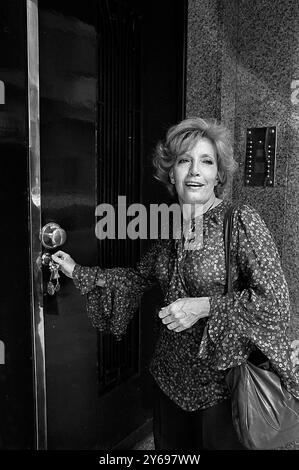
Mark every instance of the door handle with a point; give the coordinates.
(52, 235)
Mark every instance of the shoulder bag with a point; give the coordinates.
(265, 415)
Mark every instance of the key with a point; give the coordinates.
(50, 288)
(56, 277)
(57, 287)
(51, 272)
(53, 284)
(53, 266)
(55, 274)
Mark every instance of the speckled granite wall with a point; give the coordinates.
(203, 58)
(242, 58)
(291, 232)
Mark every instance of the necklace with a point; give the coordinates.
(191, 220)
(189, 235)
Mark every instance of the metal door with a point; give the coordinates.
(86, 142)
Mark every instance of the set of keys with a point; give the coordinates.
(53, 285)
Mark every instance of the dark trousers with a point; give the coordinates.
(176, 429)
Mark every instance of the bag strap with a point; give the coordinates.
(256, 356)
(227, 231)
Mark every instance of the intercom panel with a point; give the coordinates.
(260, 156)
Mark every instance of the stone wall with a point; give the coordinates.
(242, 67)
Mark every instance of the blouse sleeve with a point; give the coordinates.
(257, 314)
(113, 295)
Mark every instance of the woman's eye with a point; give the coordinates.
(209, 162)
(182, 160)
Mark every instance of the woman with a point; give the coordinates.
(203, 331)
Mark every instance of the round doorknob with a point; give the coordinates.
(52, 235)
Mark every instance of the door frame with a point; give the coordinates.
(34, 182)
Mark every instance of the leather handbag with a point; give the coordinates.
(265, 415)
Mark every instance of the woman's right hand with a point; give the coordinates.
(65, 262)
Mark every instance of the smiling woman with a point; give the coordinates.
(195, 174)
(203, 329)
(192, 142)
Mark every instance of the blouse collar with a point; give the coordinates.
(216, 213)
(212, 217)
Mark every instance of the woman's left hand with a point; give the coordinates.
(183, 313)
(295, 352)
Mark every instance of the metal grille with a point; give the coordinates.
(118, 137)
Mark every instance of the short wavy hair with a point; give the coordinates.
(182, 137)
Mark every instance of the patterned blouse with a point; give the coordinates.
(190, 366)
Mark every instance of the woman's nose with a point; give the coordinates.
(194, 170)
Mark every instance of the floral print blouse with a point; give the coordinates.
(190, 366)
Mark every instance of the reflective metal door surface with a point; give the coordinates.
(79, 415)
(87, 395)
(68, 119)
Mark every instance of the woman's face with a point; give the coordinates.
(195, 173)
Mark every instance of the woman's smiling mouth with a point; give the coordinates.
(193, 184)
